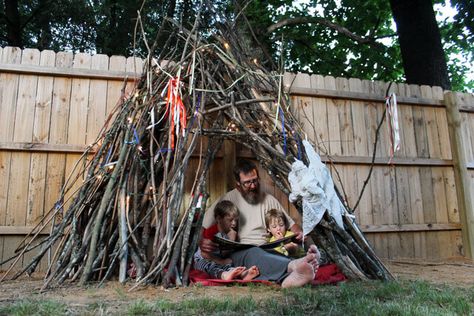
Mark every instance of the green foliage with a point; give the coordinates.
(458, 36)
(101, 26)
(315, 48)
(110, 27)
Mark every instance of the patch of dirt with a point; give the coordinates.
(114, 297)
(458, 272)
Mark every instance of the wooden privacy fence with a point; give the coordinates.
(420, 205)
(54, 104)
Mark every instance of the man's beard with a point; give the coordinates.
(252, 196)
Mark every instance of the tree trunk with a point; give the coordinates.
(13, 23)
(420, 43)
(44, 27)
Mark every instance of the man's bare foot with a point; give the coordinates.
(302, 273)
(232, 274)
(250, 274)
(312, 258)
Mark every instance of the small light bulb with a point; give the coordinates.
(226, 45)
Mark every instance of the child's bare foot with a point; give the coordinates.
(232, 274)
(250, 274)
(301, 274)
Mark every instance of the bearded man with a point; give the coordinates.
(252, 204)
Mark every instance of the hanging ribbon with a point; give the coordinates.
(176, 110)
(393, 127)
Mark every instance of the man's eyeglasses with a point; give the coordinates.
(248, 183)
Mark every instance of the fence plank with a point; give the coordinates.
(467, 132)
(407, 133)
(20, 208)
(416, 204)
(114, 88)
(378, 210)
(334, 130)
(442, 125)
(17, 208)
(392, 209)
(384, 146)
(320, 116)
(419, 125)
(97, 107)
(8, 95)
(361, 148)
(404, 210)
(423, 150)
(134, 65)
(304, 105)
(451, 198)
(77, 128)
(42, 117)
(345, 120)
(431, 125)
(55, 170)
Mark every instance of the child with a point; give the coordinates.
(277, 227)
(217, 264)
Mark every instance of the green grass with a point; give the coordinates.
(140, 307)
(351, 298)
(34, 307)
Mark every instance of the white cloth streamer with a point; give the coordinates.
(314, 185)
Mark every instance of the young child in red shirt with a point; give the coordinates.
(218, 265)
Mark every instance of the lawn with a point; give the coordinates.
(351, 298)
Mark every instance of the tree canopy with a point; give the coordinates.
(346, 38)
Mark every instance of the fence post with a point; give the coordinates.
(461, 174)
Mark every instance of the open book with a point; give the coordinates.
(226, 244)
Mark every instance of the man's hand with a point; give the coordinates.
(299, 236)
(207, 245)
(296, 229)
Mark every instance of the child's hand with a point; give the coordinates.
(232, 234)
(291, 247)
(278, 235)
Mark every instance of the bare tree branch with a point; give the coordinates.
(331, 25)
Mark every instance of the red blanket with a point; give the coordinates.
(327, 274)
